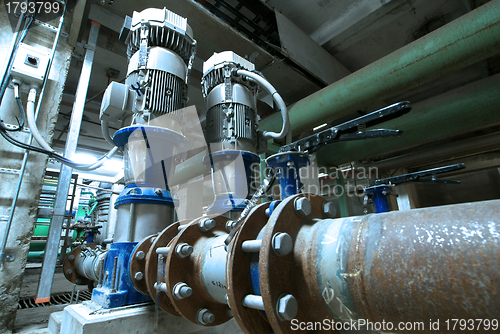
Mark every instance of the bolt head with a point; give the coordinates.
(158, 191)
(140, 255)
(78, 281)
(302, 206)
(139, 276)
(71, 257)
(329, 210)
(229, 313)
(267, 212)
(282, 244)
(69, 272)
(204, 317)
(206, 224)
(287, 307)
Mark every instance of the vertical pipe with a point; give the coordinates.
(344, 208)
(262, 171)
(50, 259)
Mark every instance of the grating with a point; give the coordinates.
(59, 299)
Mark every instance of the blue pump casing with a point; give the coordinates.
(123, 292)
(288, 165)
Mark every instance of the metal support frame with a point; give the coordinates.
(50, 259)
(30, 140)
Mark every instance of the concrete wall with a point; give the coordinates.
(11, 274)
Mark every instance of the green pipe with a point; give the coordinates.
(462, 42)
(462, 110)
(38, 255)
(189, 169)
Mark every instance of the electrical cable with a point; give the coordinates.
(286, 129)
(6, 76)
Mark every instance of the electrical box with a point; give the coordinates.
(30, 65)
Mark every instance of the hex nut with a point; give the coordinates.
(204, 317)
(139, 276)
(181, 290)
(302, 206)
(287, 307)
(206, 224)
(140, 255)
(329, 210)
(183, 250)
(282, 244)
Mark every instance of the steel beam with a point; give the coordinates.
(308, 54)
(462, 42)
(50, 259)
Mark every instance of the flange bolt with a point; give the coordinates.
(181, 290)
(206, 224)
(302, 206)
(204, 317)
(183, 250)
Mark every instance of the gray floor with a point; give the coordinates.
(30, 320)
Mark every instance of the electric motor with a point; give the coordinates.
(231, 102)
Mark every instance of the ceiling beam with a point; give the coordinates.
(360, 19)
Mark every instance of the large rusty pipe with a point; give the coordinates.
(419, 265)
(468, 39)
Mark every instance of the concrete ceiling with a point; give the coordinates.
(353, 33)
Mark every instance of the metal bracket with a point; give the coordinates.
(9, 171)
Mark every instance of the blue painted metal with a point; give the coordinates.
(134, 193)
(123, 291)
(380, 198)
(235, 200)
(273, 206)
(90, 236)
(288, 165)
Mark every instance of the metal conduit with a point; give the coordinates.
(473, 37)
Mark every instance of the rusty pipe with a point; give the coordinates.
(411, 266)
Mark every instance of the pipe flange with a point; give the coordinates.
(290, 275)
(70, 265)
(151, 272)
(187, 270)
(137, 267)
(239, 276)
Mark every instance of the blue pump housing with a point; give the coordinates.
(122, 292)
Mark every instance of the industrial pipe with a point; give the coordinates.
(462, 110)
(468, 39)
(189, 169)
(414, 266)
